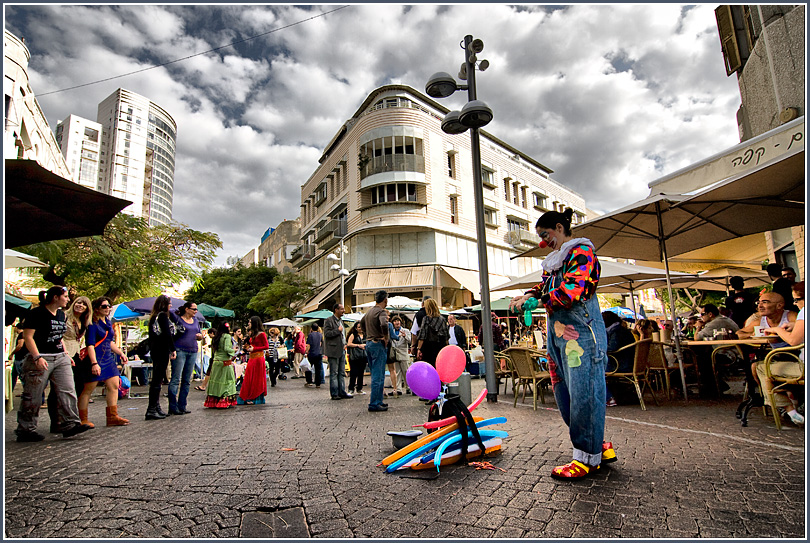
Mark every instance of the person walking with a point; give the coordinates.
(47, 361)
(77, 319)
(221, 390)
(315, 357)
(273, 361)
(299, 351)
(375, 323)
(433, 334)
(335, 350)
(161, 351)
(356, 347)
(577, 342)
(185, 343)
(254, 383)
(102, 351)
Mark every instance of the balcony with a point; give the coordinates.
(331, 233)
(520, 238)
(302, 254)
(393, 163)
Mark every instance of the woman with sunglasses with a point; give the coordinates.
(183, 364)
(577, 342)
(77, 319)
(46, 361)
(102, 352)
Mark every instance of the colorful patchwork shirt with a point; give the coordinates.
(580, 271)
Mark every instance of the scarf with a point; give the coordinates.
(555, 259)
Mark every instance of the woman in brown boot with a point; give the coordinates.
(101, 350)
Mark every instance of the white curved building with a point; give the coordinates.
(400, 193)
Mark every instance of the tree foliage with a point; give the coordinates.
(233, 288)
(130, 260)
(283, 296)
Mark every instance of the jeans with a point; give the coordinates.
(377, 358)
(577, 363)
(182, 370)
(337, 371)
(61, 377)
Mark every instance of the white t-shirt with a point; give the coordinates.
(800, 322)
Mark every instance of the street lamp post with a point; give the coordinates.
(474, 115)
(343, 272)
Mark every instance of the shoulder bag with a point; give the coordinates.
(83, 350)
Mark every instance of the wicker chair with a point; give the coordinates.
(782, 382)
(504, 371)
(526, 373)
(640, 374)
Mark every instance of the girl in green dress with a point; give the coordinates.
(221, 390)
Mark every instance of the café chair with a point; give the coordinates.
(718, 351)
(781, 383)
(658, 365)
(504, 369)
(640, 375)
(527, 373)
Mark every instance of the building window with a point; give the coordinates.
(451, 164)
(515, 193)
(514, 225)
(393, 192)
(488, 177)
(454, 210)
(490, 217)
(539, 200)
(523, 203)
(506, 189)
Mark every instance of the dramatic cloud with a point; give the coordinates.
(609, 97)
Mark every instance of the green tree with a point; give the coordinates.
(130, 260)
(283, 296)
(232, 288)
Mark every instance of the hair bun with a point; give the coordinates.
(568, 213)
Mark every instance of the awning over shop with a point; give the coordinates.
(470, 280)
(413, 277)
(327, 291)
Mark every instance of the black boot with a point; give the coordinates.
(160, 411)
(152, 414)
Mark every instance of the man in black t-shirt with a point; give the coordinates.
(741, 303)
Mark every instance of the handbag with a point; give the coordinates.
(281, 352)
(83, 350)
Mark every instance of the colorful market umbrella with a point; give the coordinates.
(211, 311)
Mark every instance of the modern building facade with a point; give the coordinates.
(399, 192)
(79, 140)
(764, 45)
(138, 154)
(26, 134)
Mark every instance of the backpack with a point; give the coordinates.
(435, 330)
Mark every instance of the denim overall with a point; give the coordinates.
(577, 349)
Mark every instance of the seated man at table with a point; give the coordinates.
(774, 316)
(711, 320)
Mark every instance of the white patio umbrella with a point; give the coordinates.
(281, 322)
(395, 302)
(769, 197)
(16, 259)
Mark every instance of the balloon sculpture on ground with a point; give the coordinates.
(447, 438)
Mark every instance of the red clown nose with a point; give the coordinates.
(543, 244)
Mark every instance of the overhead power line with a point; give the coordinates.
(192, 56)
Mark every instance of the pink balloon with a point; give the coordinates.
(450, 363)
(423, 380)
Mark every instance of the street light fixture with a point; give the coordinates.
(342, 272)
(474, 115)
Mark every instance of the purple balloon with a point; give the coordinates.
(423, 380)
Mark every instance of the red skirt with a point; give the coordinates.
(219, 403)
(254, 383)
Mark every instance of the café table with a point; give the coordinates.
(718, 345)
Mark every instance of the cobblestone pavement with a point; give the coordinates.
(305, 466)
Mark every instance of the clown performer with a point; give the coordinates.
(577, 342)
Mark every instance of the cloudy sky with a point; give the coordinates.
(609, 97)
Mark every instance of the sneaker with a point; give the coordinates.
(31, 437)
(362, 392)
(608, 453)
(796, 418)
(573, 470)
(611, 403)
(309, 385)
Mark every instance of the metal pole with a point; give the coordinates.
(342, 277)
(481, 234)
(675, 334)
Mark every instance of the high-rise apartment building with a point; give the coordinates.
(79, 140)
(137, 154)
